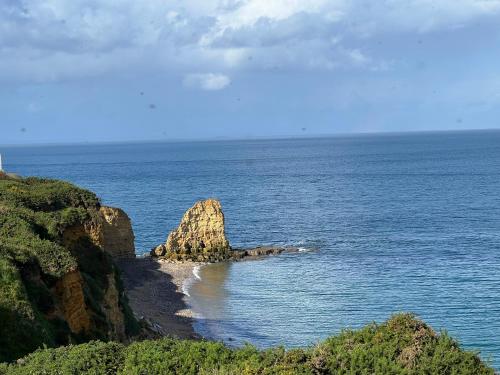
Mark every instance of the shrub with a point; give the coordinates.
(96, 358)
(402, 345)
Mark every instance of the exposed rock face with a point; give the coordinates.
(115, 233)
(112, 231)
(69, 290)
(72, 308)
(200, 235)
(114, 314)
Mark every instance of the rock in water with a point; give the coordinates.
(200, 236)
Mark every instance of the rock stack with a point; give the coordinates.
(199, 237)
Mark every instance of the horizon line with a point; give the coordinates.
(247, 138)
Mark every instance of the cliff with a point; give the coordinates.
(58, 281)
(200, 235)
(114, 233)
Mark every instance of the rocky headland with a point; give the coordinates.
(59, 283)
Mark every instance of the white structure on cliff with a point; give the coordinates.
(1, 166)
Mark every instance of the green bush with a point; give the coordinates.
(402, 345)
(45, 195)
(93, 358)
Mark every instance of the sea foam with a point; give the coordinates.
(186, 285)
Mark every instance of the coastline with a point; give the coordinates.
(157, 293)
(158, 289)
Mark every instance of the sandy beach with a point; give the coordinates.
(155, 292)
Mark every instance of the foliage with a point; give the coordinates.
(45, 195)
(18, 318)
(34, 253)
(92, 358)
(402, 345)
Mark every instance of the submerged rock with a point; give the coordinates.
(199, 237)
(262, 251)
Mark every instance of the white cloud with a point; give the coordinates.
(207, 81)
(64, 39)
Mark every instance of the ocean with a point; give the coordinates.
(387, 223)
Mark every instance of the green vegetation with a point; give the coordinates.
(34, 255)
(402, 345)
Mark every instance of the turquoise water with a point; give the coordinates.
(407, 222)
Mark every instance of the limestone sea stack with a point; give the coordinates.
(199, 237)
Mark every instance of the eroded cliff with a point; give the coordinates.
(114, 233)
(58, 281)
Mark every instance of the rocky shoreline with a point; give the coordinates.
(155, 288)
(155, 284)
(155, 293)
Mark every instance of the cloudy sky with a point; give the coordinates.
(115, 70)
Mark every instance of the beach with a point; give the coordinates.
(155, 290)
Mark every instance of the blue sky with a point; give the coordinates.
(118, 70)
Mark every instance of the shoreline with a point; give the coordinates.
(157, 294)
(158, 288)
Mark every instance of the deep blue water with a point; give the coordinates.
(407, 222)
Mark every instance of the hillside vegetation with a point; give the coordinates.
(402, 345)
(46, 260)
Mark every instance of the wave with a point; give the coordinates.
(196, 272)
(188, 283)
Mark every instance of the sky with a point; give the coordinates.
(128, 70)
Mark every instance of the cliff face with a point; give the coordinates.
(70, 302)
(113, 311)
(115, 234)
(58, 281)
(200, 235)
(87, 241)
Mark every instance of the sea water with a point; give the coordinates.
(395, 222)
